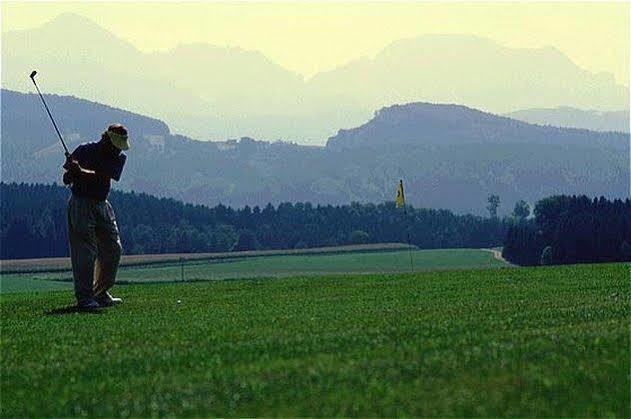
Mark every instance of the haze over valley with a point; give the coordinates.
(450, 156)
(214, 92)
(458, 116)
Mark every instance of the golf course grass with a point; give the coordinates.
(270, 266)
(550, 341)
(24, 283)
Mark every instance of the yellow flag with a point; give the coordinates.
(400, 199)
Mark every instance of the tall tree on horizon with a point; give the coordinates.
(494, 203)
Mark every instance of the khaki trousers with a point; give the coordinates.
(95, 246)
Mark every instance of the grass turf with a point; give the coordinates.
(26, 283)
(273, 266)
(528, 341)
(380, 261)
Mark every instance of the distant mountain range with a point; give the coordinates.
(575, 118)
(449, 156)
(211, 92)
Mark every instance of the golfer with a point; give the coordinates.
(95, 246)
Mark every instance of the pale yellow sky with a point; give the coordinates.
(312, 37)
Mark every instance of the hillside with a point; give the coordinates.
(450, 157)
(456, 155)
(210, 91)
(432, 124)
(569, 117)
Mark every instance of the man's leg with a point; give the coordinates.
(83, 247)
(109, 250)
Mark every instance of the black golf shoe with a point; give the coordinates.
(107, 300)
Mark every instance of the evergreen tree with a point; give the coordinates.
(33, 224)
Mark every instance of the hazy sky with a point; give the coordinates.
(312, 37)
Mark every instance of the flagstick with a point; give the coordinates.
(405, 213)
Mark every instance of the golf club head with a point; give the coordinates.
(33, 75)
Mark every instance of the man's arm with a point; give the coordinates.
(75, 171)
(112, 171)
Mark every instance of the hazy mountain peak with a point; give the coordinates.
(204, 51)
(407, 123)
(466, 46)
(69, 34)
(428, 124)
(72, 19)
(427, 112)
(76, 29)
(219, 91)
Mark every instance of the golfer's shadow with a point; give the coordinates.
(71, 310)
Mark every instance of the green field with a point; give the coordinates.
(271, 266)
(27, 283)
(521, 341)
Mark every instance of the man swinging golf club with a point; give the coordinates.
(95, 246)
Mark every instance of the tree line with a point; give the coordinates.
(571, 229)
(34, 224)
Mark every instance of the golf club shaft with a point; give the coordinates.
(51, 117)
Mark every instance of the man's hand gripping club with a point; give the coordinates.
(74, 171)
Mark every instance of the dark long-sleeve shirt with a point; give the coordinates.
(90, 157)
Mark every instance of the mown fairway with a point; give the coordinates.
(270, 266)
(542, 341)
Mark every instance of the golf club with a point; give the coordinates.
(32, 76)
